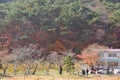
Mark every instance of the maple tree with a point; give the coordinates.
(90, 55)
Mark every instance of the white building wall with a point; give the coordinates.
(110, 55)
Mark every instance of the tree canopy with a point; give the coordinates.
(75, 23)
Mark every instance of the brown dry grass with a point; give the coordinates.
(91, 77)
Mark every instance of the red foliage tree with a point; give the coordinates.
(59, 46)
(5, 41)
(90, 54)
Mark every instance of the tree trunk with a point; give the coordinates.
(27, 72)
(4, 72)
(92, 67)
(34, 71)
(49, 66)
(5, 69)
(67, 70)
(60, 69)
(15, 68)
(78, 73)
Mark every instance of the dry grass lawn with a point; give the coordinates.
(91, 77)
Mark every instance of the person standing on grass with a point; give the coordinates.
(87, 71)
(83, 72)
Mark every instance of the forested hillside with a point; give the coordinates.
(60, 24)
(4, 1)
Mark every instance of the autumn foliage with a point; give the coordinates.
(59, 46)
(90, 54)
(5, 41)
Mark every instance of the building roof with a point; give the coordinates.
(110, 60)
(108, 49)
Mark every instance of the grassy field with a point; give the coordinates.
(40, 77)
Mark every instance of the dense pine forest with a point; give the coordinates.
(59, 24)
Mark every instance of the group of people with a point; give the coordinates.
(85, 72)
